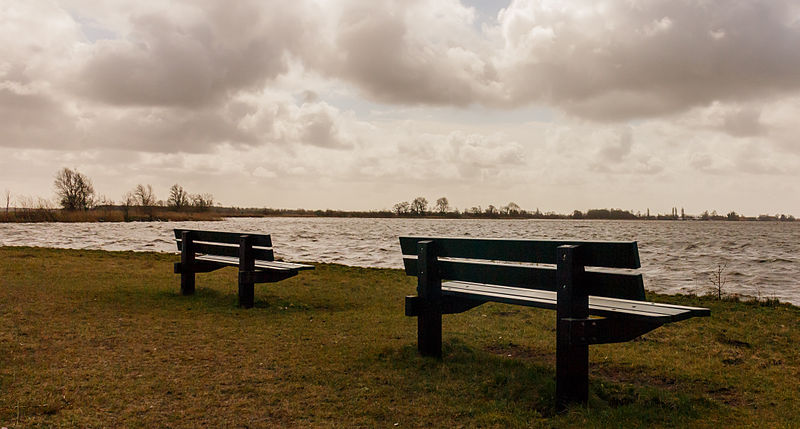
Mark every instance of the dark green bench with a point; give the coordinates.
(592, 306)
(205, 251)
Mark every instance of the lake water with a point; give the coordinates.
(759, 258)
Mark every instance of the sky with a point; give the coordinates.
(358, 105)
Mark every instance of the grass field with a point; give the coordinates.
(104, 339)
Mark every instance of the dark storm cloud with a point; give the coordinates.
(33, 120)
(379, 50)
(175, 76)
(166, 130)
(608, 61)
(623, 60)
(170, 60)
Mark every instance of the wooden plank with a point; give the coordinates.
(673, 312)
(605, 307)
(259, 240)
(611, 254)
(610, 284)
(283, 265)
(225, 250)
(267, 265)
(527, 297)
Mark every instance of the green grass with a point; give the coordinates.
(104, 339)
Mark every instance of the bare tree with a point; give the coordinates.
(128, 200)
(102, 200)
(74, 189)
(202, 201)
(143, 195)
(512, 209)
(718, 279)
(7, 195)
(178, 198)
(419, 206)
(402, 207)
(442, 205)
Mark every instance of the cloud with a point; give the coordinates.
(412, 52)
(186, 76)
(458, 156)
(743, 123)
(32, 119)
(617, 149)
(193, 56)
(605, 61)
(618, 60)
(413, 94)
(317, 124)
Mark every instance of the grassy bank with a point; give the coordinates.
(92, 338)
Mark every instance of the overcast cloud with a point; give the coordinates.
(358, 105)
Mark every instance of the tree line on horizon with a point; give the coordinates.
(419, 207)
(75, 192)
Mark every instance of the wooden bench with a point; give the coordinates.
(205, 251)
(592, 306)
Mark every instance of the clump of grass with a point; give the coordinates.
(92, 338)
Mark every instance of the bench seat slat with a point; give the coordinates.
(610, 254)
(263, 240)
(598, 306)
(270, 265)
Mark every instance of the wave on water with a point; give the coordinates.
(756, 258)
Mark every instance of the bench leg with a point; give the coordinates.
(246, 265)
(429, 332)
(572, 357)
(572, 370)
(187, 282)
(187, 263)
(429, 288)
(246, 294)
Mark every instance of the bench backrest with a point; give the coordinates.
(226, 243)
(519, 263)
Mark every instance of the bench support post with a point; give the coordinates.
(246, 265)
(187, 263)
(429, 289)
(572, 357)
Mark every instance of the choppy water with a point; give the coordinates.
(760, 258)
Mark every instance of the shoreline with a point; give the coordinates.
(727, 297)
(163, 214)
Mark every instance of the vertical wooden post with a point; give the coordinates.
(187, 263)
(429, 289)
(572, 361)
(246, 265)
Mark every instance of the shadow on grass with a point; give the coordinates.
(499, 389)
(216, 300)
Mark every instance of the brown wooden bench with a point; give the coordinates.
(205, 251)
(592, 306)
